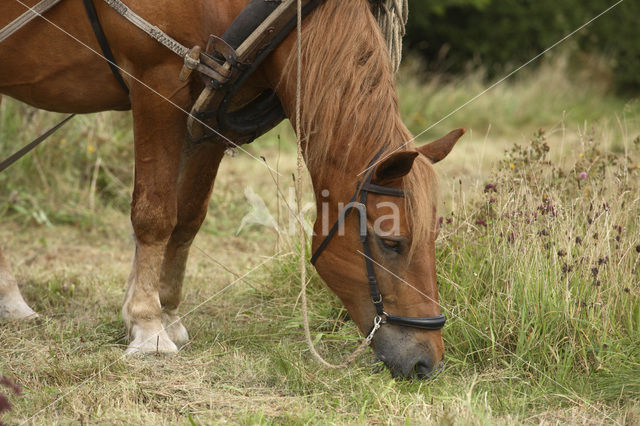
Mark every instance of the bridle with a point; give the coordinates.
(363, 189)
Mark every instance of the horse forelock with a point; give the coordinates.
(350, 108)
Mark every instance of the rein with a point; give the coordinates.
(26, 17)
(31, 145)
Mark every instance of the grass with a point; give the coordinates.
(538, 270)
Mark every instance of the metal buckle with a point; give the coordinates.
(216, 45)
(377, 322)
(191, 62)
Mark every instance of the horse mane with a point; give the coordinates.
(350, 107)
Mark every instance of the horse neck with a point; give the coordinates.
(349, 107)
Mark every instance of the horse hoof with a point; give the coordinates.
(148, 342)
(15, 308)
(176, 331)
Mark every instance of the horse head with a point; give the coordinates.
(392, 242)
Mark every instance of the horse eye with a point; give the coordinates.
(392, 245)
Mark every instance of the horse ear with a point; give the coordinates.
(394, 167)
(437, 150)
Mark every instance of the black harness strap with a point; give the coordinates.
(31, 145)
(333, 230)
(247, 21)
(383, 190)
(374, 291)
(102, 41)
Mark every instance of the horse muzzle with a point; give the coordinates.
(408, 353)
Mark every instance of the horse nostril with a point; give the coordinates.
(424, 369)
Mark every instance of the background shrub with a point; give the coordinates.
(496, 34)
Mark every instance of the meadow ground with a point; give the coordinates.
(538, 270)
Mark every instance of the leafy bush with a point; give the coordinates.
(497, 34)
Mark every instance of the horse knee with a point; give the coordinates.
(153, 216)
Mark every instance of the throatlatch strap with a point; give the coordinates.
(102, 41)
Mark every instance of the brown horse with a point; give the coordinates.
(349, 113)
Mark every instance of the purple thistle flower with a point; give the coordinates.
(5, 405)
(490, 187)
(5, 381)
(582, 175)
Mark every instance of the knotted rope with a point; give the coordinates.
(303, 236)
(392, 18)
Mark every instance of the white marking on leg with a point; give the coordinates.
(12, 305)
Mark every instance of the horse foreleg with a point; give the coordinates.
(12, 305)
(199, 169)
(159, 131)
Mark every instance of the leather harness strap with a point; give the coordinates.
(102, 41)
(265, 111)
(26, 17)
(225, 65)
(31, 145)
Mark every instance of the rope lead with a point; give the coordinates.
(392, 18)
